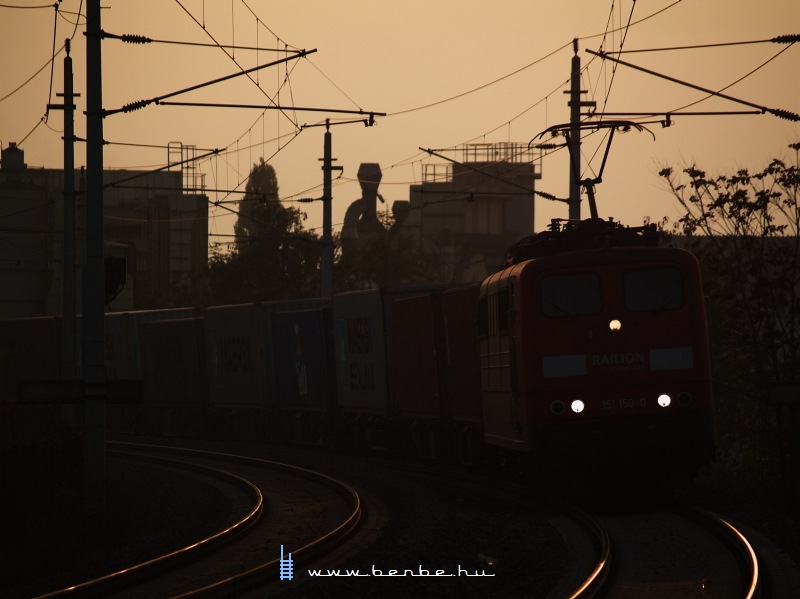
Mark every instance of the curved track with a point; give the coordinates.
(679, 552)
(241, 555)
(586, 539)
(594, 581)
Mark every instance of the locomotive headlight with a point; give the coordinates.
(664, 400)
(615, 325)
(577, 406)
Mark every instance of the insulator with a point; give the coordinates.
(784, 114)
(786, 39)
(135, 39)
(135, 105)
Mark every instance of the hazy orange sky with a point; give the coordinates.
(405, 57)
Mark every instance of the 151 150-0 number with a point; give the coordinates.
(626, 403)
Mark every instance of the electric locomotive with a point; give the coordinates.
(594, 352)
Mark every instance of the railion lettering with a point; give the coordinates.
(618, 358)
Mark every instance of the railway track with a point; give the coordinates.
(586, 540)
(678, 552)
(276, 507)
(664, 552)
(410, 530)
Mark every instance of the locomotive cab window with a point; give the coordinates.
(493, 313)
(483, 317)
(571, 295)
(653, 289)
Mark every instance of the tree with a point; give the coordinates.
(386, 257)
(274, 257)
(745, 227)
(744, 230)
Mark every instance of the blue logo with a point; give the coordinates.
(286, 566)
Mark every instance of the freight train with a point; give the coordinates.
(589, 348)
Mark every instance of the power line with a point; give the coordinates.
(26, 7)
(163, 168)
(781, 39)
(370, 113)
(485, 85)
(143, 39)
(527, 66)
(743, 77)
(229, 55)
(642, 20)
(158, 99)
(52, 63)
(32, 77)
(780, 113)
(259, 196)
(621, 44)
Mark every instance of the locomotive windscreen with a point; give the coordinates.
(652, 290)
(571, 295)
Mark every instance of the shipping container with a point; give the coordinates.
(358, 330)
(267, 310)
(459, 354)
(30, 349)
(412, 339)
(302, 358)
(235, 355)
(173, 357)
(122, 348)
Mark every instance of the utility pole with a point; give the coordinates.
(575, 105)
(327, 200)
(94, 375)
(575, 136)
(68, 348)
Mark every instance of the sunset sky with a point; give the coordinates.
(447, 72)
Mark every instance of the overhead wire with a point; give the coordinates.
(624, 30)
(739, 80)
(252, 12)
(634, 23)
(788, 39)
(293, 121)
(142, 39)
(505, 123)
(604, 34)
(285, 83)
(621, 45)
(76, 22)
(480, 87)
(52, 63)
(344, 93)
(233, 59)
(780, 113)
(26, 7)
(31, 78)
(527, 66)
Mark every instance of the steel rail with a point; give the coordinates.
(594, 582)
(250, 578)
(735, 541)
(143, 569)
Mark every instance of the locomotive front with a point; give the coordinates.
(599, 358)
